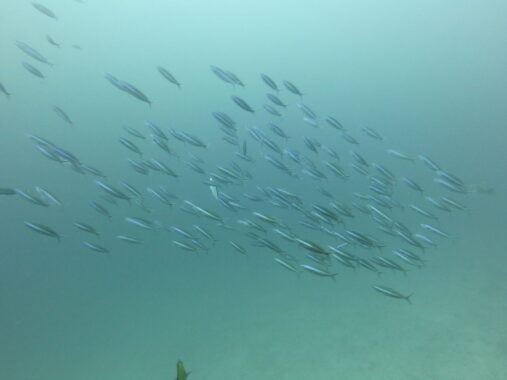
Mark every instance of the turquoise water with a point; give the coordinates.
(429, 77)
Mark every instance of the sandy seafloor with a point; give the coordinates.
(259, 321)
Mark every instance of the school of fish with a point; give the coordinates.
(357, 215)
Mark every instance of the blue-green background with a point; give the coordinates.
(430, 76)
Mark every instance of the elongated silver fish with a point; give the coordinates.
(319, 272)
(51, 41)
(95, 247)
(286, 265)
(27, 49)
(391, 293)
(401, 156)
(86, 228)
(48, 196)
(62, 115)
(4, 91)
(242, 103)
(31, 198)
(43, 230)
(435, 230)
(270, 82)
(128, 88)
(129, 239)
(33, 70)
(167, 75)
(292, 88)
(44, 10)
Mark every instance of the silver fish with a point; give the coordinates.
(42, 229)
(27, 49)
(44, 10)
(391, 293)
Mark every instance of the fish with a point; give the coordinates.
(44, 10)
(113, 191)
(307, 111)
(451, 186)
(413, 185)
(286, 265)
(48, 196)
(213, 188)
(292, 88)
(134, 132)
(86, 228)
(319, 272)
(203, 211)
(425, 239)
(261, 174)
(429, 162)
(7, 191)
(270, 82)
(192, 140)
(181, 373)
(454, 203)
(167, 75)
(401, 156)
(334, 123)
(391, 293)
(182, 232)
(238, 247)
(33, 70)
(4, 91)
(360, 159)
(155, 129)
(62, 115)
(278, 131)
(28, 50)
(312, 246)
(42, 229)
(276, 100)
(225, 120)
(221, 74)
(438, 204)
(31, 198)
(241, 103)
(185, 246)
(140, 222)
(423, 212)
(234, 78)
(271, 110)
(365, 263)
(435, 230)
(51, 41)
(128, 88)
(349, 138)
(129, 239)
(372, 133)
(100, 209)
(205, 233)
(384, 171)
(130, 145)
(95, 247)
(92, 170)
